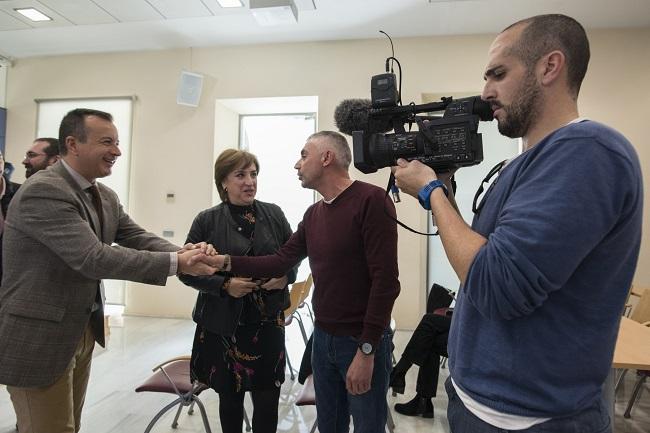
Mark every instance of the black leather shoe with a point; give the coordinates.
(398, 381)
(418, 406)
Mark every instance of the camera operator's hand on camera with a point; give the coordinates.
(238, 287)
(411, 176)
(275, 283)
(445, 177)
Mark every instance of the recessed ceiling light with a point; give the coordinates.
(230, 3)
(274, 12)
(33, 14)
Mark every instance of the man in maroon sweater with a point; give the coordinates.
(352, 248)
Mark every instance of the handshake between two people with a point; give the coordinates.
(193, 259)
(203, 259)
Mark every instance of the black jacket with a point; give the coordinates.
(215, 309)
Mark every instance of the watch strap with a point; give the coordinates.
(425, 192)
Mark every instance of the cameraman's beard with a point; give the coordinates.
(523, 110)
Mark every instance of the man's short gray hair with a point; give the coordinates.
(339, 146)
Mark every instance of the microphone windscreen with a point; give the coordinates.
(352, 115)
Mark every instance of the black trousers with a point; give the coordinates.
(427, 344)
(265, 411)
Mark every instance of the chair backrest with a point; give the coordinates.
(306, 290)
(297, 295)
(641, 312)
(172, 376)
(439, 297)
(637, 291)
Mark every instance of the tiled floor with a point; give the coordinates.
(113, 407)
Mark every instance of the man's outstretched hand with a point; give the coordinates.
(193, 259)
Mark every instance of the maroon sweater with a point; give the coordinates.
(352, 250)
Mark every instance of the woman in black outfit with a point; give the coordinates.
(239, 339)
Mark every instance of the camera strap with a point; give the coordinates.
(390, 187)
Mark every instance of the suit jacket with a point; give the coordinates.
(55, 260)
(10, 191)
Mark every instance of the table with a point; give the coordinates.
(632, 346)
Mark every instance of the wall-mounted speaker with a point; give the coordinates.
(189, 89)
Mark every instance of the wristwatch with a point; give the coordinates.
(425, 192)
(366, 348)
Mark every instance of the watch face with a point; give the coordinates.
(366, 348)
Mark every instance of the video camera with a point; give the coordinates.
(442, 142)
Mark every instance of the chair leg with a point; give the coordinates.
(443, 362)
(635, 395)
(178, 413)
(620, 379)
(204, 416)
(311, 315)
(298, 317)
(313, 427)
(246, 421)
(178, 401)
(190, 411)
(291, 374)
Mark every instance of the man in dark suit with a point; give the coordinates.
(7, 191)
(60, 229)
(43, 153)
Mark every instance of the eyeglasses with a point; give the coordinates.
(31, 155)
(477, 204)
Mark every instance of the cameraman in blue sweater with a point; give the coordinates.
(547, 263)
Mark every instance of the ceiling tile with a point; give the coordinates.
(80, 12)
(172, 9)
(58, 20)
(130, 10)
(7, 22)
(305, 5)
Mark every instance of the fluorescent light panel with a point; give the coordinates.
(274, 12)
(230, 3)
(33, 14)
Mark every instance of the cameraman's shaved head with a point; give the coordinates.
(542, 34)
(337, 143)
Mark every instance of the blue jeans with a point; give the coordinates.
(331, 357)
(594, 419)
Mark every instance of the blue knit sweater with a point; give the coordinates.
(535, 324)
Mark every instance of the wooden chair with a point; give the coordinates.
(297, 294)
(635, 291)
(640, 313)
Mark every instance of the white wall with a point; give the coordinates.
(173, 145)
(3, 84)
